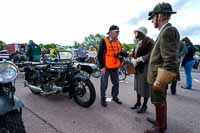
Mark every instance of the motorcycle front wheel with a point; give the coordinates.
(13, 122)
(84, 93)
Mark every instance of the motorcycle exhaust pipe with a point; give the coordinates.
(32, 87)
(38, 89)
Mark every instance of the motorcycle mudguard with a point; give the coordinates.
(80, 77)
(6, 104)
(87, 68)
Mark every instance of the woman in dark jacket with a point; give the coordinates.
(141, 55)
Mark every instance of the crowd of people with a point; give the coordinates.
(157, 64)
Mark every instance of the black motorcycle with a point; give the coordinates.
(61, 76)
(10, 106)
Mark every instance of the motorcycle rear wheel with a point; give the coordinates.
(84, 88)
(13, 122)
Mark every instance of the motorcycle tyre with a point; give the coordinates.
(92, 95)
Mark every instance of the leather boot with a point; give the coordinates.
(138, 103)
(153, 121)
(165, 116)
(143, 109)
(144, 106)
(160, 120)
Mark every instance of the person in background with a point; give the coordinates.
(181, 51)
(163, 63)
(82, 53)
(33, 52)
(16, 57)
(53, 52)
(141, 54)
(188, 62)
(109, 55)
(92, 55)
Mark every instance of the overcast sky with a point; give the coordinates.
(65, 21)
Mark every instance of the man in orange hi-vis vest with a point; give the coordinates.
(109, 55)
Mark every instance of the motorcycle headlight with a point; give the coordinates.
(8, 71)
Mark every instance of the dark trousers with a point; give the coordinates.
(173, 87)
(115, 82)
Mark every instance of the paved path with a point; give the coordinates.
(58, 114)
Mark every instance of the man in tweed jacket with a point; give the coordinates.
(163, 63)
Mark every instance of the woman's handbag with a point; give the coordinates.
(131, 68)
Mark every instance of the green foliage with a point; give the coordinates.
(92, 40)
(197, 48)
(76, 44)
(129, 47)
(52, 45)
(3, 45)
(47, 46)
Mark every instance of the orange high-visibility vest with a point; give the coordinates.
(112, 48)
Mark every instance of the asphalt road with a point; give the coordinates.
(58, 114)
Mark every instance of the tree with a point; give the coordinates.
(3, 45)
(128, 47)
(197, 48)
(77, 44)
(93, 40)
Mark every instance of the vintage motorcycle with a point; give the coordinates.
(10, 106)
(60, 76)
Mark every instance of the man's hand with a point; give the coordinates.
(163, 78)
(103, 70)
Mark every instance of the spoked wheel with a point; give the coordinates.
(122, 74)
(13, 122)
(84, 93)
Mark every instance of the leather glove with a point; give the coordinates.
(139, 59)
(133, 61)
(163, 78)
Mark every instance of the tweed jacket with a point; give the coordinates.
(164, 52)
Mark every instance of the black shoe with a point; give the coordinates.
(103, 102)
(142, 110)
(186, 88)
(116, 99)
(136, 106)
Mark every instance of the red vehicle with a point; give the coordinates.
(13, 47)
